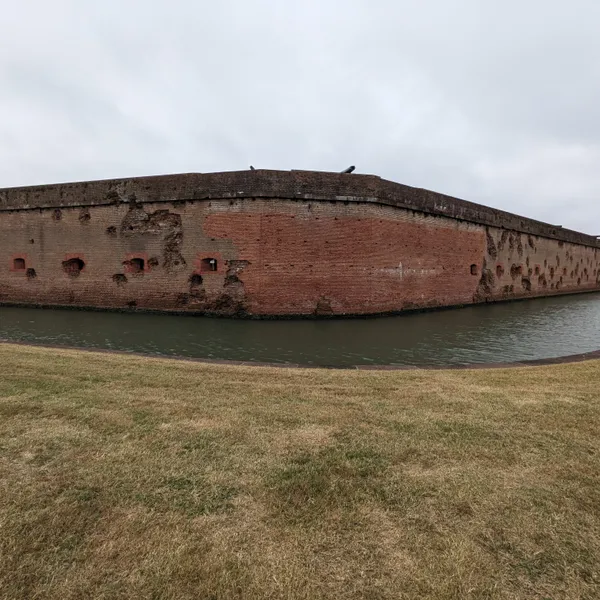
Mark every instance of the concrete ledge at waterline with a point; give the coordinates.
(572, 358)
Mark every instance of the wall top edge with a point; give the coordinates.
(285, 185)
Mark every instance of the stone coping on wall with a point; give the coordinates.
(572, 358)
(285, 185)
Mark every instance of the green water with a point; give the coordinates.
(542, 328)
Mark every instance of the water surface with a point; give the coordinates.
(533, 329)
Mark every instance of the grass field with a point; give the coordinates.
(126, 477)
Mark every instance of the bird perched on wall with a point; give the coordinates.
(349, 169)
(252, 168)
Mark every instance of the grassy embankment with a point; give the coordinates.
(125, 477)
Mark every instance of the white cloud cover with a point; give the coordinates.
(497, 102)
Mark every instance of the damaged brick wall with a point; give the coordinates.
(270, 256)
(126, 256)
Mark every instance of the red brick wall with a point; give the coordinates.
(278, 257)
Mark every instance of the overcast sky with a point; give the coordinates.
(494, 101)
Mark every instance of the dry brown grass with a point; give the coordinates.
(125, 477)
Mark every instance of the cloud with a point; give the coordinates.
(495, 102)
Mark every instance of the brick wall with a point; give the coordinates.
(270, 256)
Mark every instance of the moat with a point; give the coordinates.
(542, 328)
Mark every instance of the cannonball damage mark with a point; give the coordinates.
(233, 298)
(515, 271)
(197, 293)
(485, 288)
(119, 279)
(161, 223)
(323, 307)
(73, 267)
(491, 246)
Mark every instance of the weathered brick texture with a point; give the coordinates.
(275, 243)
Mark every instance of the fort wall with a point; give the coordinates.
(270, 243)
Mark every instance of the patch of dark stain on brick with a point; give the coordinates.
(197, 292)
(485, 288)
(32, 241)
(119, 279)
(511, 241)
(579, 281)
(530, 241)
(71, 297)
(132, 303)
(491, 246)
(499, 271)
(323, 307)
(515, 271)
(526, 283)
(519, 245)
(503, 238)
(113, 196)
(195, 280)
(183, 299)
(227, 305)
(84, 215)
(527, 261)
(542, 280)
(30, 274)
(551, 272)
(153, 261)
(112, 230)
(57, 214)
